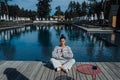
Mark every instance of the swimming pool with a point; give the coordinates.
(36, 42)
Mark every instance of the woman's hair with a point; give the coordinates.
(62, 37)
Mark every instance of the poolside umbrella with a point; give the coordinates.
(18, 18)
(4, 17)
(1, 17)
(29, 19)
(23, 18)
(40, 19)
(95, 18)
(11, 19)
(43, 19)
(92, 17)
(89, 18)
(37, 19)
(102, 15)
(85, 17)
(7, 18)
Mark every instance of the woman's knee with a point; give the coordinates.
(72, 60)
(53, 60)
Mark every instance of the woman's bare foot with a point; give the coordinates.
(63, 69)
(58, 69)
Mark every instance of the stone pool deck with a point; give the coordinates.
(35, 70)
(15, 26)
(95, 30)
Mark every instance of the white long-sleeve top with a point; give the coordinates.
(62, 54)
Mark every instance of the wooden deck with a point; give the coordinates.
(33, 70)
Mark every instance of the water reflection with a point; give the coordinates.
(113, 38)
(44, 38)
(73, 33)
(94, 40)
(17, 44)
(100, 44)
(8, 50)
(90, 50)
(100, 54)
(58, 29)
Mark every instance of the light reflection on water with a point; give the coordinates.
(36, 42)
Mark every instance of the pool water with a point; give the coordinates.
(36, 43)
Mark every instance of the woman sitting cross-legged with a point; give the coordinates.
(62, 56)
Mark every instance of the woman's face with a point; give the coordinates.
(62, 41)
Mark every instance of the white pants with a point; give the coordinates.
(67, 64)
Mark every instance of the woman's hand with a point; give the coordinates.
(62, 50)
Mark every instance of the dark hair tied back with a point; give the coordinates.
(62, 37)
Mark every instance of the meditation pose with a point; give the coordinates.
(62, 56)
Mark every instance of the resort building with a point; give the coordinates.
(115, 16)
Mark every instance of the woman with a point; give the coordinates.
(62, 56)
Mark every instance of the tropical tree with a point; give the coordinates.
(74, 10)
(78, 9)
(32, 15)
(13, 10)
(43, 8)
(84, 8)
(6, 5)
(2, 8)
(58, 11)
(98, 9)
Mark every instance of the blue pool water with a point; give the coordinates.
(36, 43)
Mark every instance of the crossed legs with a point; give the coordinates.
(62, 64)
